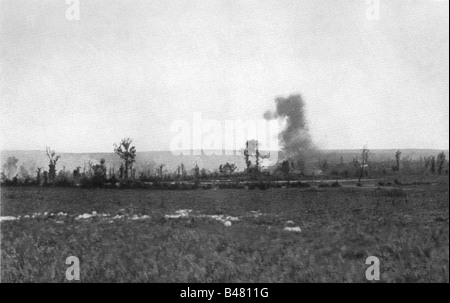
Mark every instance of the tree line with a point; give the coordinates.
(99, 175)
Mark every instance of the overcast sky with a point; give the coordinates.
(131, 68)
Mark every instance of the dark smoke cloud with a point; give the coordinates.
(294, 138)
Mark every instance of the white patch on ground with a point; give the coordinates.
(256, 213)
(185, 213)
(8, 218)
(88, 216)
(84, 216)
(220, 218)
(133, 217)
(294, 229)
(182, 213)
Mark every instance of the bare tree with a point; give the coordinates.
(227, 168)
(433, 164)
(257, 157)
(252, 150)
(440, 162)
(196, 171)
(127, 153)
(52, 164)
(248, 163)
(323, 165)
(160, 171)
(364, 160)
(38, 175)
(396, 167)
(427, 162)
(285, 167)
(181, 171)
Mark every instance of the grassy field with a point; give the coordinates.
(406, 228)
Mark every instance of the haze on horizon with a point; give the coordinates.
(130, 69)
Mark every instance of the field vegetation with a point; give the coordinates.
(133, 235)
(257, 225)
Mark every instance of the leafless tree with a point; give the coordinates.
(364, 161)
(396, 167)
(52, 164)
(440, 162)
(127, 153)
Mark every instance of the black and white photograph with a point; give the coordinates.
(224, 146)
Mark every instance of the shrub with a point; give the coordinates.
(336, 184)
(264, 185)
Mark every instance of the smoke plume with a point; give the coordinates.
(294, 138)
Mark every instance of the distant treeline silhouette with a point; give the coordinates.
(289, 172)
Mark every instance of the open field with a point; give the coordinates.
(132, 238)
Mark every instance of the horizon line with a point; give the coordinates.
(211, 150)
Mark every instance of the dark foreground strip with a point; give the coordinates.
(221, 292)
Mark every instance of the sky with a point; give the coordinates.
(368, 76)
